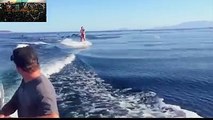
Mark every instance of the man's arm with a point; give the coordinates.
(10, 107)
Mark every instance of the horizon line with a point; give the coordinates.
(123, 29)
(111, 30)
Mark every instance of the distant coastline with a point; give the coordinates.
(183, 26)
(164, 29)
(5, 31)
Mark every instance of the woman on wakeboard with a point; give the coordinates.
(83, 34)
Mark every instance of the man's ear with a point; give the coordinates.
(20, 70)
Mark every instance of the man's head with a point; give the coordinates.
(25, 58)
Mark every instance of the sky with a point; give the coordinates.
(70, 15)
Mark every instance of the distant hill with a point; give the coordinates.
(192, 24)
(4, 31)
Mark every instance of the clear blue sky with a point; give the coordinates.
(70, 15)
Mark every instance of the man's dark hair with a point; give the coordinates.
(26, 58)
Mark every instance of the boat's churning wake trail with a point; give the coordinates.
(82, 93)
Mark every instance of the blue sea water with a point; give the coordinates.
(141, 73)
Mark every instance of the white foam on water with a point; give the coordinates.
(157, 110)
(34, 43)
(21, 45)
(1, 95)
(179, 110)
(100, 99)
(56, 65)
(157, 36)
(76, 44)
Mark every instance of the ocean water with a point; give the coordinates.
(134, 74)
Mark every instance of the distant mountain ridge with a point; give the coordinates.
(192, 24)
(4, 31)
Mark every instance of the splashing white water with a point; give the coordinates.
(76, 44)
(157, 36)
(21, 45)
(1, 95)
(56, 65)
(34, 43)
(100, 99)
